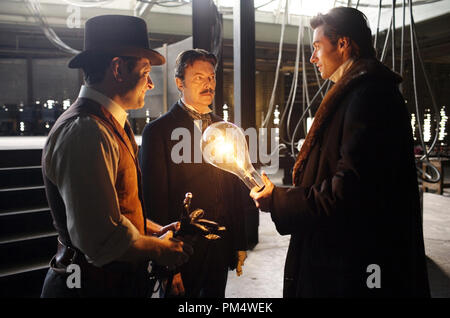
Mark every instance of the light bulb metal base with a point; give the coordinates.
(253, 179)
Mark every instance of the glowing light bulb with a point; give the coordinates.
(224, 146)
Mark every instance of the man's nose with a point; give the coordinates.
(313, 58)
(150, 83)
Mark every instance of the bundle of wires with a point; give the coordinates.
(415, 51)
(35, 9)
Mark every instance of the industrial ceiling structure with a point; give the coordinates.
(170, 21)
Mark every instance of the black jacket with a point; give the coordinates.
(166, 182)
(355, 200)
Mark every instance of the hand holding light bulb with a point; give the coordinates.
(263, 198)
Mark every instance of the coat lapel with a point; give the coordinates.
(181, 118)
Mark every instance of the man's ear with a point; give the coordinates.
(116, 68)
(344, 42)
(179, 83)
(344, 46)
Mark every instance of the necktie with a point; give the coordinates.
(130, 135)
(205, 118)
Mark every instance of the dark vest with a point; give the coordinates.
(128, 183)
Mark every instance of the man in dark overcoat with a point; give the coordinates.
(172, 165)
(353, 213)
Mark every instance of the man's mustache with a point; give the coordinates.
(209, 90)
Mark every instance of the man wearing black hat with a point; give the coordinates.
(92, 177)
(353, 213)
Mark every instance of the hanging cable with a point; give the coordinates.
(424, 159)
(305, 91)
(305, 79)
(386, 40)
(217, 34)
(414, 78)
(297, 57)
(165, 3)
(393, 35)
(283, 123)
(413, 40)
(35, 8)
(426, 176)
(293, 154)
(384, 6)
(427, 82)
(402, 43)
(88, 3)
(277, 71)
(304, 104)
(264, 4)
(378, 25)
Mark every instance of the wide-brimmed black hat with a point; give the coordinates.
(118, 35)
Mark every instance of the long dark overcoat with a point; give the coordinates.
(167, 141)
(354, 212)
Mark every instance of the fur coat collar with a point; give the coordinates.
(361, 70)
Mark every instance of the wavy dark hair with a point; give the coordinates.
(347, 22)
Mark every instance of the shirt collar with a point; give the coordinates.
(115, 109)
(337, 75)
(192, 108)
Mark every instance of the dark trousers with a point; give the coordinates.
(206, 273)
(97, 282)
(55, 286)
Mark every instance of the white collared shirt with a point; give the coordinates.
(337, 75)
(115, 109)
(81, 158)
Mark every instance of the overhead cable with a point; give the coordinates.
(88, 3)
(35, 8)
(277, 71)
